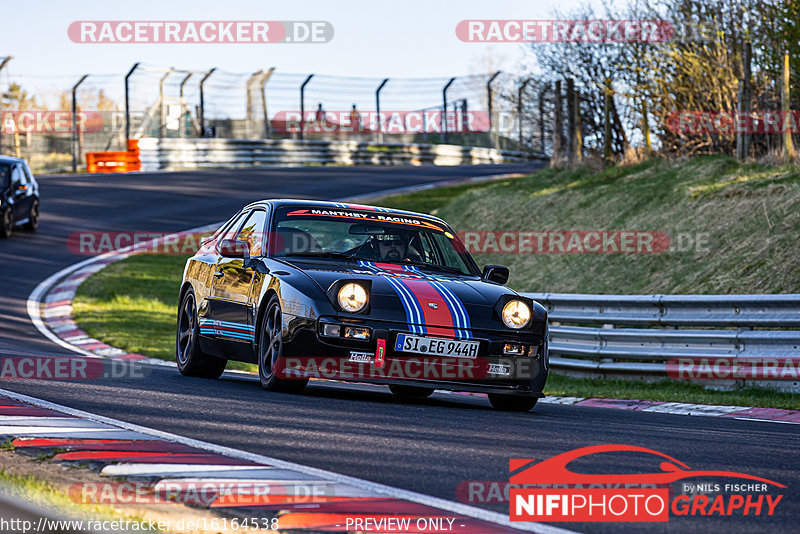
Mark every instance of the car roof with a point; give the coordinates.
(339, 205)
(11, 159)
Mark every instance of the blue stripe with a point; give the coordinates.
(220, 333)
(413, 301)
(217, 322)
(414, 315)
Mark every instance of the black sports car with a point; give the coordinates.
(19, 196)
(349, 292)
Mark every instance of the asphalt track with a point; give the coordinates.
(428, 446)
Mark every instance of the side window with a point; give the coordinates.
(253, 231)
(231, 229)
(426, 250)
(18, 177)
(28, 173)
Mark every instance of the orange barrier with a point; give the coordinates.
(115, 161)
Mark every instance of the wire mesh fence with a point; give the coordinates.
(177, 102)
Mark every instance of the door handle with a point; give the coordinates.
(219, 274)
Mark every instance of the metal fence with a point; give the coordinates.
(640, 336)
(175, 102)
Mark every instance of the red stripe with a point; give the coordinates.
(106, 444)
(391, 267)
(438, 321)
(149, 458)
(30, 411)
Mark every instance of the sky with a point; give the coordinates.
(406, 39)
(409, 38)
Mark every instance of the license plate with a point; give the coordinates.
(436, 346)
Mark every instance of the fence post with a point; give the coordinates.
(570, 121)
(607, 122)
(378, 108)
(541, 116)
(648, 145)
(303, 104)
(555, 160)
(577, 141)
(788, 147)
(202, 111)
(739, 143)
(162, 104)
(520, 92)
(127, 105)
(3, 64)
(75, 147)
(182, 121)
(444, 108)
(489, 106)
(248, 87)
(746, 95)
(264, 80)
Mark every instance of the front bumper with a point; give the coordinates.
(308, 354)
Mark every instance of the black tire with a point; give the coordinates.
(411, 392)
(191, 360)
(270, 351)
(509, 403)
(6, 223)
(33, 217)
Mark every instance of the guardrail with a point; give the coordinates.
(638, 336)
(157, 154)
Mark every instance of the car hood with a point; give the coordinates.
(445, 300)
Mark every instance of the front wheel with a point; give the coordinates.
(33, 217)
(6, 223)
(191, 360)
(509, 403)
(270, 351)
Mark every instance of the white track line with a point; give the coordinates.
(389, 491)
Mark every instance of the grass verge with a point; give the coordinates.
(132, 304)
(732, 227)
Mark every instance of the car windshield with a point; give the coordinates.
(5, 175)
(369, 235)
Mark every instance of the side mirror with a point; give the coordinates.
(495, 273)
(234, 248)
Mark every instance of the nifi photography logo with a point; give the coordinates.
(548, 491)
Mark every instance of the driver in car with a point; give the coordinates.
(392, 247)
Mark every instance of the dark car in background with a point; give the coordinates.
(358, 293)
(19, 196)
